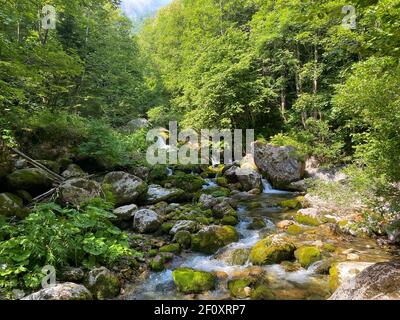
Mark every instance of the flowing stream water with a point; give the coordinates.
(286, 284)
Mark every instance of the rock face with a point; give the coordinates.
(63, 291)
(146, 221)
(192, 281)
(77, 190)
(11, 205)
(380, 281)
(103, 283)
(211, 238)
(272, 250)
(33, 180)
(125, 213)
(280, 165)
(157, 194)
(126, 188)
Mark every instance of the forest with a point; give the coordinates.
(318, 82)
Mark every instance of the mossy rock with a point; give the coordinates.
(307, 255)
(290, 204)
(257, 224)
(222, 181)
(183, 238)
(329, 247)
(271, 251)
(157, 264)
(307, 220)
(333, 277)
(217, 192)
(294, 229)
(11, 205)
(237, 287)
(152, 252)
(191, 281)
(157, 174)
(230, 220)
(211, 238)
(188, 182)
(290, 266)
(239, 257)
(33, 180)
(103, 283)
(166, 227)
(173, 248)
(262, 292)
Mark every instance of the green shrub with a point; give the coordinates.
(59, 237)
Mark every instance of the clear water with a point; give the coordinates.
(298, 284)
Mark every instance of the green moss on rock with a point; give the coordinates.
(191, 281)
(290, 204)
(262, 292)
(211, 238)
(183, 238)
(237, 287)
(307, 220)
(173, 248)
(271, 251)
(307, 255)
(11, 205)
(294, 229)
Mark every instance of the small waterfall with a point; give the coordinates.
(267, 186)
(170, 172)
(209, 184)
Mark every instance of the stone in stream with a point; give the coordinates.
(62, 291)
(271, 250)
(208, 201)
(307, 255)
(157, 194)
(240, 288)
(103, 283)
(281, 165)
(211, 238)
(249, 179)
(33, 180)
(192, 281)
(380, 281)
(11, 205)
(146, 221)
(309, 216)
(77, 190)
(183, 238)
(126, 188)
(184, 225)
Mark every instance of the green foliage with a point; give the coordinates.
(51, 235)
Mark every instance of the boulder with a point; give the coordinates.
(126, 188)
(280, 165)
(307, 256)
(62, 291)
(33, 180)
(157, 194)
(184, 225)
(183, 238)
(272, 250)
(207, 201)
(78, 190)
(137, 124)
(341, 272)
(11, 205)
(103, 283)
(211, 238)
(125, 213)
(70, 274)
(380, 281)
(191, 281)
(249, 179)
(73, 171)
(146, 221)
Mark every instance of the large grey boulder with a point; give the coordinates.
(126, 188)
(146, 221)
(249, 179)
(62, 291)
(125, 213)
(157, 194)
(380, 281)
(73, 171)
(184, 225)
(78, 190)
(280, 165)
